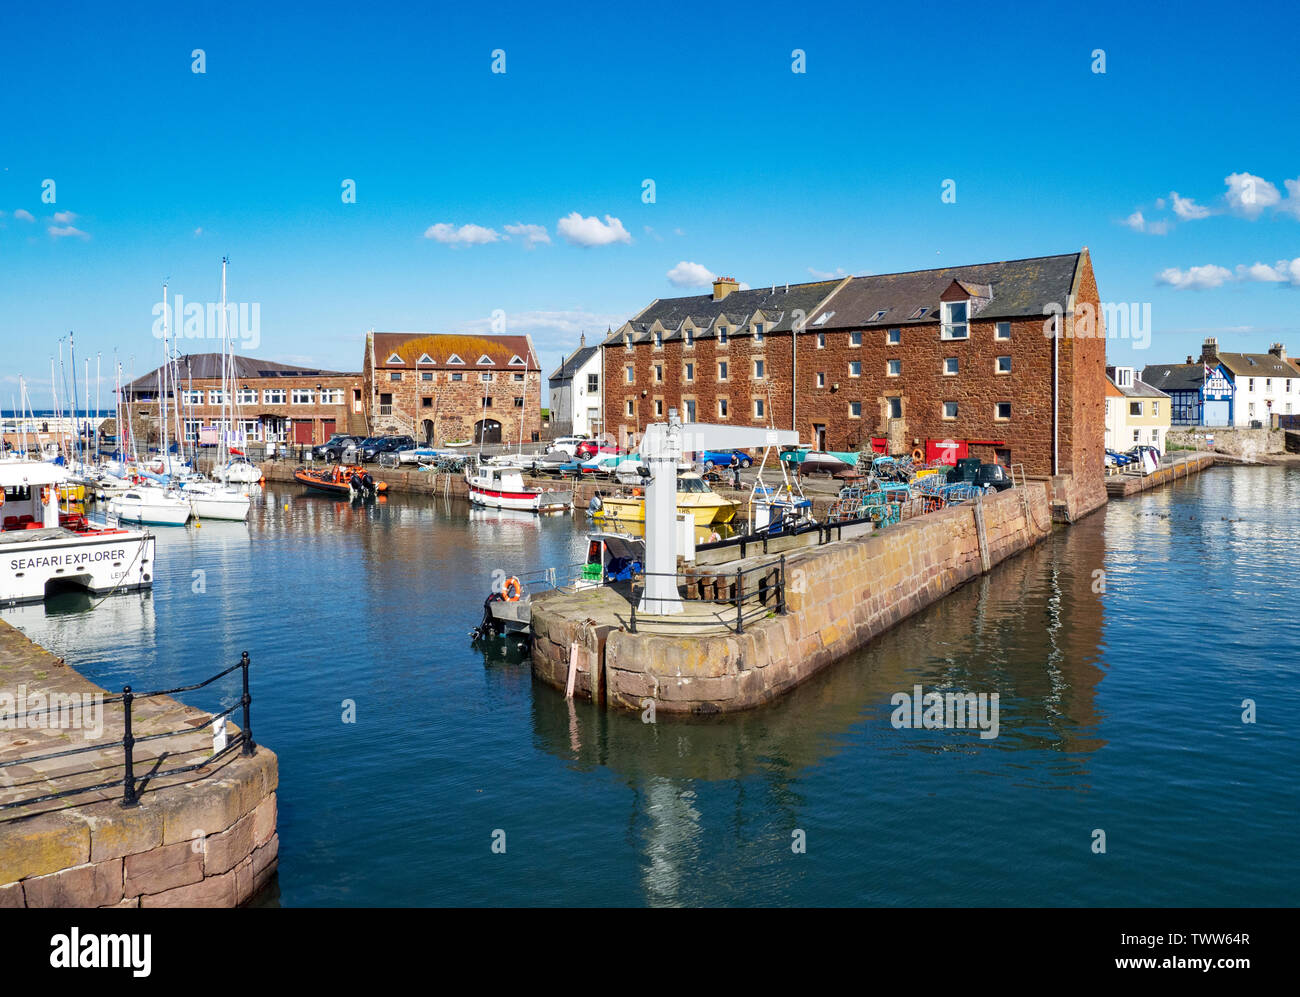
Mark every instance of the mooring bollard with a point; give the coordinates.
(129, 798)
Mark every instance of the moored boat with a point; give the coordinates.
(693, 496)
(151, 505)
(504, 488)
(341, 481)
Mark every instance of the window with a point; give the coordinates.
(426, 402)
(953, 324)
(758, 333)
(855, 368)
(722, 370)
(630, 409)
(659, 340)
(273, 396)
(659, 373)
(690, 371)
(1002, 330)
(487, 401)
(895, 408)
(821, 340)
(457, 376)
(516, 361)
(950, 410)
(395, 375)
(759, 367)
(426, 375)
(1250, 387)
(454, 358)
(722, 335)
(919, 313)
(659, 407)
(630, 374)
(485, 359)
(1155, 408)
(855, 339)
(517, 378)
(894, 337)
(486, 377)
(394, 358)
(689, 336)
(950, 366)
(331, 396)
(627, 345)
(878, 316)
(690, 409)
(216, 397)
(821, 379)
(247, 396)
(1002, 411)
(1003, 365)
(519, 403)
(424, 358)
(1137, 436)
(855, 410)
(191, 429)
(1134, 408)
(758, 408)
(1123, 377)
(593, 383)
(196, 397)
(722, 407)
(1268, 384)
(893, 367)
(302, 396)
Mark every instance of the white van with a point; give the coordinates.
(569, 444)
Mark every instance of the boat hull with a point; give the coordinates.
(632, 510)
(524, 501)
(229, 506)
(147, 513)
(121, 560)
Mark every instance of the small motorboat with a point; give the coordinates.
(504, 488)
(240, 471)
(693, 496)
(151, 506)
(342, 481)
(213, 500)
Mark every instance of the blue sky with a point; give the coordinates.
(762, 173)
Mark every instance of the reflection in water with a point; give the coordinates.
(1182, 600)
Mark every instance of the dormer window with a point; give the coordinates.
(395, 359)
(627, 342)
(878, 316)
(722, 335)
(454, 359)
(485, 359)
(953, 323)
(425, 358)
(516, 361)
(919, 313)
(689, 336)
(758, 333)
(659, 339)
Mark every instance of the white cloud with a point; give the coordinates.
(678, 231)
(533, 235)
(465, 235)
(1291, 205)
(1195, 278)
(1159, 228)
(1249, 195)
(198, 232)
(1187, 209)
(64, 231)
(592, 231)
(64, 217)
(24, 215)
(1160, 203)
(691, 275)
(1281, 272)
(653, 234)
(1136, 222)
(827, 274)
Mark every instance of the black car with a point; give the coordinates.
(372, 448)
(976, 472)
(332, 449)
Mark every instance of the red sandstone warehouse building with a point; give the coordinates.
(897, 363)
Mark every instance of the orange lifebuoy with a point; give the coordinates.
(918, 455)
(511, 590)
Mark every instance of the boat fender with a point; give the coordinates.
(595, 505)
(510, 592)
(917, 455)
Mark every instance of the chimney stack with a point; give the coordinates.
(1278, 350)
(1210, 350)
(1190, 360)
(724, 286)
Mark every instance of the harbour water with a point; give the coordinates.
(1122, 650)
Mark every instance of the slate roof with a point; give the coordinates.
(207, 367)
(777, 307)
(1139, 389)
(572, 364)
(441, 346)
(1010, 289)
(1256, 365)
(1174, 376)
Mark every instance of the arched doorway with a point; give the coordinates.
(427, 426)
(487, 431)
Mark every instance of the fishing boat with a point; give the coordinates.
(341, 481)
(504, 488)
(42, 550)
(151, 505)
(693, 496)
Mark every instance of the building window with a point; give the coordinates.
(659, 407)
(659, 340)
(895, 408)
(1004, 365)
(758, 333)
(759, 367)
(519, 403)
(517, 378)
(302, 396)
(1155, 407)
(894, 337)
(722, 335)
(855, 368)
(216, 397)
(722, 407)
(191, 430)
(1137, 436)
(1250, 384)
(690, 371)
(457, 376)
(758, 408)
(953, 324)
(950, 410)
(486, 377)
(821, 340)
(630, 409)
(627, 345)
(1002, 330)
(690, 409)
(879, 315)
(950, 366)
(273, 396)
(593, 383)
(630, 373)
(855, 410)
(395, 375)
(196, 397)
(920, 312)
(855, 339)
(821, 379)
(247, 396)
(426, 402)
(659, 373)
(487, 401)
(689, 337)
(722, 370)
(455, 358)
(1134, 408)
(893, 367)
(1002, 411)
(331, 396)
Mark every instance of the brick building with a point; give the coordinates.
(898, 362)
(272, 402)
(444, 388)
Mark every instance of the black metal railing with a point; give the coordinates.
(130, 785)
(764, 598)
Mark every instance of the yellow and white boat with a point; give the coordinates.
(693, 496)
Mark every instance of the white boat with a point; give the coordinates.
(240, 471)
(41, 552)
(504, 488)
(212, 500)
(150, 505)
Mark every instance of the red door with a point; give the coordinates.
(327, 428)
(302, 431)
(948, 451)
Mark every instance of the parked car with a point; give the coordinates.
(332, 449)
(370, 451)
(976, 472)
(569, 444)
(590, 448)
(724, 458)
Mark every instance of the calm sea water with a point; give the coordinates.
(1120, 711)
